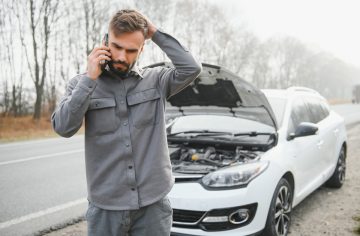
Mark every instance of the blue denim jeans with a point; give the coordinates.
(155, 219)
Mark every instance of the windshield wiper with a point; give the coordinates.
(252, 134)
(218, 133)
(201, 133)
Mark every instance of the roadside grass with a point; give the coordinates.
(25, 128)
(338, 101)
(357, 229)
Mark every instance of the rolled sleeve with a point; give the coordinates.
(187, 68)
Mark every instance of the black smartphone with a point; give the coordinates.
(104, 63)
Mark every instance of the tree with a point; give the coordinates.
(40, 17)
(278, 62)
(12, 58)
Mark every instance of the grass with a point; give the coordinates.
(338, 101)
(357, 229)
(25, 128)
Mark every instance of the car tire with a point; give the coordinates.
(279, 215)
(338, 177)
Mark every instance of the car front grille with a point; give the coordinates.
(194, 219)
(186, 217)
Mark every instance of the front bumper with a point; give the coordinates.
(179, 234)
(193, 197)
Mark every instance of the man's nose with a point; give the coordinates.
(121, 55)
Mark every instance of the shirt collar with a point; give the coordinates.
(137, 71)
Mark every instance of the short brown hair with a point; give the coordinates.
(127, 21)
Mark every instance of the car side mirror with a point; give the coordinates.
(304, 129)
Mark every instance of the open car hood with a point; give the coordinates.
(220, 88)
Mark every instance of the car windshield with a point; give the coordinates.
(278, 106)
(217, 125)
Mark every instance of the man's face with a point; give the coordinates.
(125, 49)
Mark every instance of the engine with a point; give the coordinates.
(189, 160)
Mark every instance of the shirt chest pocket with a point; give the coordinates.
(100, 117)
(144, 108)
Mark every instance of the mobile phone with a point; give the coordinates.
(104, 63)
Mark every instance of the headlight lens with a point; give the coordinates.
(235, 176)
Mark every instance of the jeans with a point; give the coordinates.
(151, 220)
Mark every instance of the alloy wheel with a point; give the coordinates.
(341, 167)
(282, 211)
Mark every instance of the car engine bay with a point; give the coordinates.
(202, 160)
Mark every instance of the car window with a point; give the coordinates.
(317, 111)
(299, 113)
(325, 108)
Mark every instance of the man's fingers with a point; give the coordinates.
(103, 57)
(100, 52)
(95, 61)
(102, 47)
(99, 48)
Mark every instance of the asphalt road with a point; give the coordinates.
(42, 183)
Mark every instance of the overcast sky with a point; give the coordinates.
(330, 25)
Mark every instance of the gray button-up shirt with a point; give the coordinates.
(126, 153)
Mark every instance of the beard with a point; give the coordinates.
(124, 64)
(122, 72)
(119, 71)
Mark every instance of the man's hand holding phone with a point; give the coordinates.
(96, 60)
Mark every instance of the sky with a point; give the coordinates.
(329, 25)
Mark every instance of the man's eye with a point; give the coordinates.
(131, 51)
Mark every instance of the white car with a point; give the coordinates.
(243, 160)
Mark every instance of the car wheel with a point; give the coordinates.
(338, 178)
(279, 216)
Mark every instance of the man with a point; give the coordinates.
(127, 159)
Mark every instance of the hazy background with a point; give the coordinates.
(273, 44)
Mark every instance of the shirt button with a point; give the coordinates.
(125, 123)
(127, 145)
(130, 167)
(133, 189)
(122, 102)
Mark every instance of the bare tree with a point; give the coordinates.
(209, 34)
(151, 8)
(41, 17)
(13, 72)
(278, 62)
(56, 37)
(261, 67)
(96, 14)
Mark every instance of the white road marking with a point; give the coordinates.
(41, 157)
(41, 213)
(55, 140)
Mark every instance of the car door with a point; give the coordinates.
(303, 151)
(326, 143)
(330, 124)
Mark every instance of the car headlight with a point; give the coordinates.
(235, 176)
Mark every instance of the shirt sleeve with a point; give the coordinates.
(173, 80)
(68, 117)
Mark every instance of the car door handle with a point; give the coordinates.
(320, 143)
